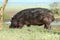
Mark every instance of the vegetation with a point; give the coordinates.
(5, 16)
(55, 7)
(32, 33)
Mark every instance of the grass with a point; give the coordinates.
(57, 15)
(5, 16)
(32, 33)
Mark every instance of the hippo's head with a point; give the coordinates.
(14, 24)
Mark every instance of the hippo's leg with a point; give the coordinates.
(47, 22)
(40, 24)
(47, 26)
(28, 25)
(17, 26)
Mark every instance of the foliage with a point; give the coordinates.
(5, 16)
(35, 33)
(55, 7)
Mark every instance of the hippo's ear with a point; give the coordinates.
(12, 18)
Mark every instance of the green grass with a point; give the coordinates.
(32, 33)
(5, 16)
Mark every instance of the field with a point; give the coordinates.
(27, 33)
(30, 33)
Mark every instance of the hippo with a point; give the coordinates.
(33, 16)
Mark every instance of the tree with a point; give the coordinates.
(1, 13)
(55, 7)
